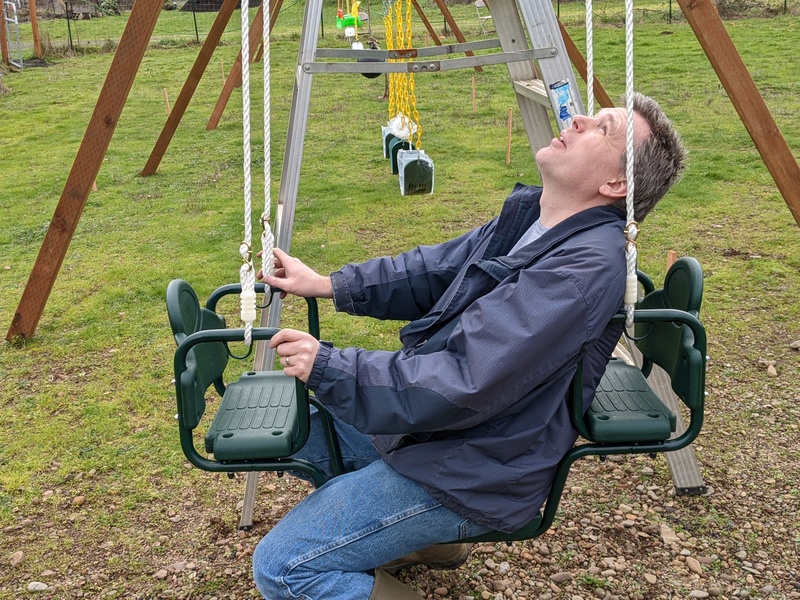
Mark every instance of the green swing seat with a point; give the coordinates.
(397, 145)
(387, 136)
(416, 172)
(626, 417)
(414, 167)
(262, 418)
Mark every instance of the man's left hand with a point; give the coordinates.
(297, 351)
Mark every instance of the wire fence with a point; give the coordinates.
(70, 26)
(573, 12)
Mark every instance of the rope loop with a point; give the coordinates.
(246, 252)
(631, 233)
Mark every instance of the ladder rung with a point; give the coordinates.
(533, 89)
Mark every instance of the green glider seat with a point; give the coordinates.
(262, 418)
(416, 172)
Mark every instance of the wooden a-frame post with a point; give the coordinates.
(113, 95)
(34, 18)
(234, 79)
(710, 31)
(189, 87)
(447, 17)
(3, 35)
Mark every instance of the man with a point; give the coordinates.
(460, 431)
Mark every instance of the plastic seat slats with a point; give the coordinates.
(625, 409)
(257, 419)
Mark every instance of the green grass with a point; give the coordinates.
(90, 393)
(136, 233)
(178, 28)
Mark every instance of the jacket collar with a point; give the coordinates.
(521, 210)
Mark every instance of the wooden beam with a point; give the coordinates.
(3, 34)
(579, 63)
(234, 79)
(452, 23)
(113, 95)
(37, 40)
(189, 87)
(721, 52)
(427, 23)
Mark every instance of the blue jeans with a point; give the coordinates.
(327, 546)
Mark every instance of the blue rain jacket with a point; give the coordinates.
(474, 406)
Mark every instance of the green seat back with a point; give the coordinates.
(416, 172)
(671, 345)
(206, 362)
(395, 146)
(388, 136)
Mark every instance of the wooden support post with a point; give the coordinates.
(746, 99)
(189, 87)
(3, 34)
(579, 62)
(448, 18)
(234, 79)
(428, 27)
(37, 40)
(113, 95)
(672, 256)
(474, 96)
(508, 136)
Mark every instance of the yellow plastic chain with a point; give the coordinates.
(388, 22)
(402, 78)
(402, 87)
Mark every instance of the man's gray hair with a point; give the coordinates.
(658, 160)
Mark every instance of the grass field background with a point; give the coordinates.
(88, 405)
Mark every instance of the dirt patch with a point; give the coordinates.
(621, 533)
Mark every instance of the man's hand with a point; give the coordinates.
(294, 277)
(297, 350)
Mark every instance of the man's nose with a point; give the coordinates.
(581, 122)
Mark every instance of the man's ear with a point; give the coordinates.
(616, 188)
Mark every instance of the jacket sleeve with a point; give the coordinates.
(508, 342)
(405, 287)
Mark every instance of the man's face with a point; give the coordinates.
(588, 154)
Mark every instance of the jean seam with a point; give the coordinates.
(357, 535)
(290, 594)
(462, 529)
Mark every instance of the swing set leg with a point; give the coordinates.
(250, 490)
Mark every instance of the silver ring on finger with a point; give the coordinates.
(288, 362)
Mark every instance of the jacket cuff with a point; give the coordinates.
(320, 364)
(342, 300)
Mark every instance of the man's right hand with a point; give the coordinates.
(294, 277)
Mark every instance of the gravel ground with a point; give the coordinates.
(622, 532)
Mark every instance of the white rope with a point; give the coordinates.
(267, 237)
(632, 229)
(589, 59)
(247, 275)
